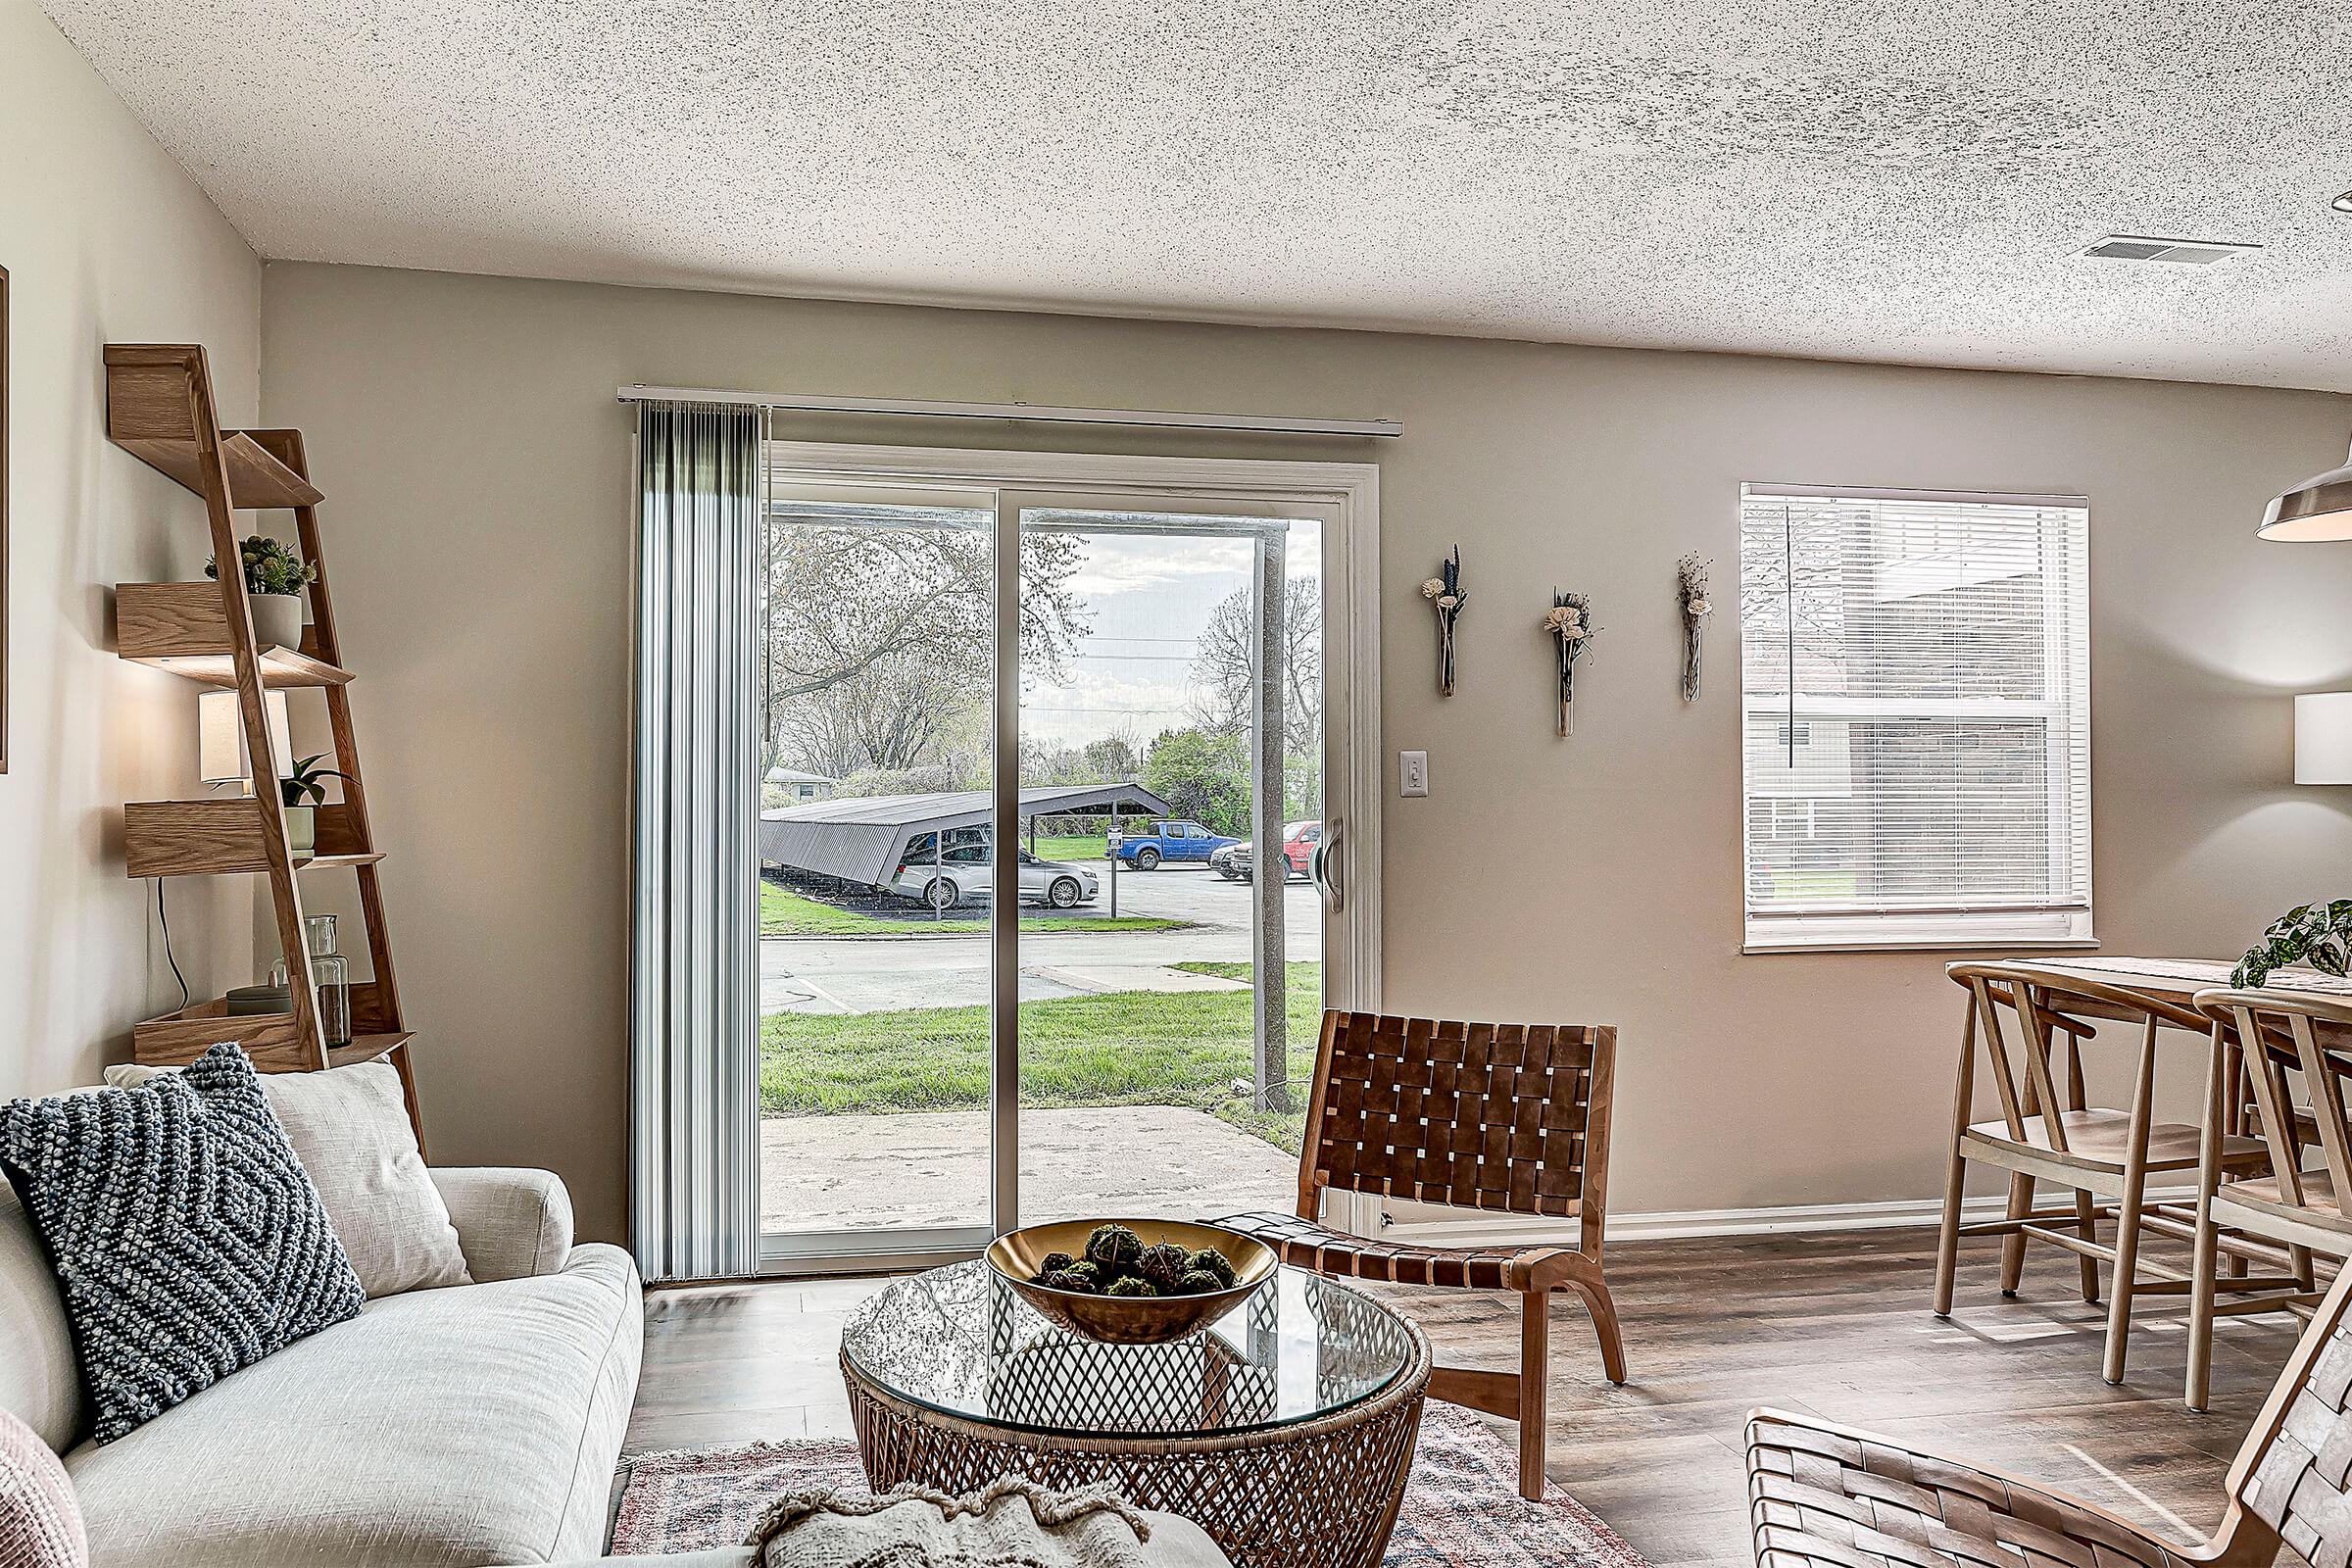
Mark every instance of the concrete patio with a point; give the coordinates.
(862, 1172)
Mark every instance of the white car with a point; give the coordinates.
(963, 876)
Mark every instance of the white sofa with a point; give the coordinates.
(450, 1428)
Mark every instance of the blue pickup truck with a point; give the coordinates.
(1162, 843)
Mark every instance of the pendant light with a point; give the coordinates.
(2317, 508)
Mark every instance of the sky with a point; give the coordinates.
(1146, 596)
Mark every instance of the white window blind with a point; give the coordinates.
(1916, 698)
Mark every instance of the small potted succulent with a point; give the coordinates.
(274, 578)
(303, 792)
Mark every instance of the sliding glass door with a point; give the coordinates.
(1166, 1067)
(874, 957)
(1053, 766)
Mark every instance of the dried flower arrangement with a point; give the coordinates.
(1690, 588)
(1444, 593)
(2320, 932)
(1570, 621)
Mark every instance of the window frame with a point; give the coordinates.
(1919, 929)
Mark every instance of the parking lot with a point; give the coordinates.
(826, 974)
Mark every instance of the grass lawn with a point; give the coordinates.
(1125, 1048)
(1814, 884)
(786, 914)
(1071, 847)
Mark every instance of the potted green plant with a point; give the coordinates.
(303, 792)
(274, 578)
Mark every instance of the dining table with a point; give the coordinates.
(2178, 981)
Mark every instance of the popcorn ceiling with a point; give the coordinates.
(1847, 179)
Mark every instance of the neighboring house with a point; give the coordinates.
(791, 784)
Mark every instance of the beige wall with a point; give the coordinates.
(105, 239)
(477, 473)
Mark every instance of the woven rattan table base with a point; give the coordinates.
(1319, 1494)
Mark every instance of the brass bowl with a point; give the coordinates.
(1017, 1256)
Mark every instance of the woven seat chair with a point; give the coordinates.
(1478, 1116)
(2094, 1152)
(2299, 1210)
(1830, 1495)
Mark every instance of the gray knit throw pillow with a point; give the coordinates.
(184, 1234)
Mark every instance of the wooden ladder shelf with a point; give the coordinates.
(159, 408)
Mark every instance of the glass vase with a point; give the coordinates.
(330, 979)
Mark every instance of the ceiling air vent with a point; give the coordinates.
(2175, 252)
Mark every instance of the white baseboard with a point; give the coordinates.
(1666, 1224)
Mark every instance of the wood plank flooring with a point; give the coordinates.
(1832, 1324)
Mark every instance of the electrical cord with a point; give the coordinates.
(165, 920)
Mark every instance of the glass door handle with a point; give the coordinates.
(1324, 868)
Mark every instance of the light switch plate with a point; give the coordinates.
(1413, 773)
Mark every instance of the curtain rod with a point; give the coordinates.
(1275, 423)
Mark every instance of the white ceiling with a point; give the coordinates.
(1874, 179)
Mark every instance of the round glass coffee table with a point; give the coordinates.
(1285, 1432)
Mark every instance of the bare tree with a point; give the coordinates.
(1225, 662)
(849, 589)
(888, 715)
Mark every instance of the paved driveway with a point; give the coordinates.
(880, 974)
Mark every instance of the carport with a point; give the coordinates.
(862, 840)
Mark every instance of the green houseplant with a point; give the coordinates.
(302, 792)
(274, 578)
(2318, 932)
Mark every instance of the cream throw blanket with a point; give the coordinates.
(1012, 1524)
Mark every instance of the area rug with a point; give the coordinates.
(1462, 1507)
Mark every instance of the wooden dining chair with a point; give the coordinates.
(2305, 1045)
(2098, 1153)
(1828, 1496)
(1509, 1118)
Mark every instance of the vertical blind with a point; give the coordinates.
(694, 1015)
(1916, 699)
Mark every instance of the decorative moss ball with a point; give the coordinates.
(1198, 1282)
(1209, 1260)
(1055, 1261)
(1164, 1265)
(1113, 1243)
(1132, 1285)
(1069, 1279)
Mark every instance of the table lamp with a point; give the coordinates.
(2319, 508)
(221, 738)
(2323, 738)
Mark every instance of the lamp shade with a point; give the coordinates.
(2323, 738)
(2319, 508)
(221, 737)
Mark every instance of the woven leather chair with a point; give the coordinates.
(1830, 1495)
(1479, 1115)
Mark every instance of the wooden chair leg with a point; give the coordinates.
(2127, 1214)
(2013, 1245)
(2086, 1226)
(2200, 1313)
(1947, 1238)
(2127, 1270)
(1955, 1170)
(1603, 1308)
(2221, 1072)
(1535, 1361)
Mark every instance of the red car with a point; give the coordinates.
(1235, 862)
